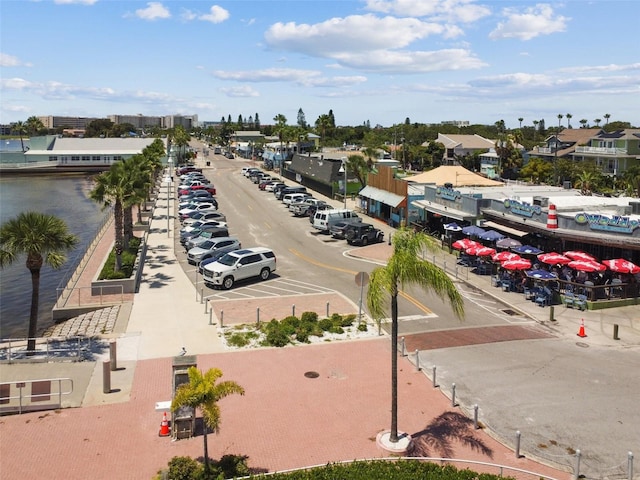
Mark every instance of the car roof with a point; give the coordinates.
(247, 251)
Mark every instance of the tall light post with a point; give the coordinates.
(169, 183)
(343, 170)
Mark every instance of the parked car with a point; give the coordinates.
(323, 220)
(197, 201)
(195, 194)
(338, 229)
(196, 254)
(277, 188)
(240, 265)
(215, 215)
(208, 187)
(186, 169)
(290, 198)
(246, 171)
(363, 234)
(229, 155)
(199, 207)
(313, 209)
(202, 224)
(212, 256)
(270, 187)
(299, 209)
(210, 232)
(205, 229)
(286, 190)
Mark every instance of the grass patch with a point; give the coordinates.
(128, 262)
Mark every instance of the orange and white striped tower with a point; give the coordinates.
(552, 217)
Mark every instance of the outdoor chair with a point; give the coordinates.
(569, 299)
(543, 298)
(580, 301)
(529, 293)
(506, 285)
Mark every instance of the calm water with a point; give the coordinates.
(65, 197)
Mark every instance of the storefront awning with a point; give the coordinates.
(381, 196)
(443, 210)
(511, 231)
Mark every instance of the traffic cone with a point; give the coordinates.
(581, 332)
(552, 218)
(164, 426)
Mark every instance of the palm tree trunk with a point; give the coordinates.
(393, 437)
(128, 225)
(33, 314)
(118, 221)
(206, 447)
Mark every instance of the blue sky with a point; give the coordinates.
(379, 61)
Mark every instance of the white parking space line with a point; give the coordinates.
(272, 288)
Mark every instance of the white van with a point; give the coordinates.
(325, 219)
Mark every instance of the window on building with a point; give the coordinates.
(53, 159)
(85, 158)
(75, 158)
(95, 158)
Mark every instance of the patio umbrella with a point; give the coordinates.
(480, 251)
(453, 227)
(621, 265)
(541, 274)
(473, 230)
(578, 255)
(504, 255)
(464, 243)
(516, 264)
(527, 250)
(491, 236)
(553, 258)
(508, 243)
(586, 266)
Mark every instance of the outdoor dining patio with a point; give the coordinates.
(573, 278)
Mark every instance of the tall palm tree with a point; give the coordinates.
(281, 124)
(202, 392)
(44, 239)
(584, 122)
(404, 267)
(323, 123)
(34, 125)
(632, 177)
(597, 122)
(606, 116)
(21, 128)
(586, 180)
(535, 129)
(569, 116)
(520, 119)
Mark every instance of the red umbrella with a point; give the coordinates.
(464, 243)
(516, 264)
(621, 265)
(480, 251)
(586, 266)
(578, 255)
(502, 256)
(553, 258)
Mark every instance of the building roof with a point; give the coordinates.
(88, 146)
(455, 175)
(468, 142)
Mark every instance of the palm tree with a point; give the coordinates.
(535, 129)
(21, 128)
(632, 177)
(281, 123)
(203, 392)
(607, 116)
(406, 267)
(597, 122)
(322, 124)
(44, 239)
(569, 116)
(520, 119)
(586, 181)
(34, 125)
(584, 122)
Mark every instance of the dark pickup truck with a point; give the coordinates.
(363, 234)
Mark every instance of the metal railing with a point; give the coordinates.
(30, 395)
(47, 349)
(99, 295)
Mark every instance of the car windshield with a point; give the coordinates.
(206, 245)
(228, 260)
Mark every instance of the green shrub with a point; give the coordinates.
(309, 317)
(348, 320)
(290, 324)
(302, 335)
(241, 339)
(325, 324)
(128, 262)
(337, 329)
(362, 327)
(184, 468)
(276, 334)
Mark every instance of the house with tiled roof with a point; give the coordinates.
(613, 152)
(457, 146)
(565, 143)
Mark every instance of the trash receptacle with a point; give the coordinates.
(208, 164)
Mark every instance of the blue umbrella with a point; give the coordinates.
(453, 227)
(541, 274)
(491, 236)
(527, 250)
(508, 243)
(473, 230)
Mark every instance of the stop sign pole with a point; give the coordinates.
(362, 279)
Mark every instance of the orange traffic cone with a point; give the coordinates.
(164, 426)
(552, 217)
(581, 332)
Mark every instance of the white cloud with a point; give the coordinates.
(79, 2)
(216, 14)
(240, 91)
(154, 11)
(11, 61)
(532, 22)
(307, 78)
(601, 68)
(463, 11)
(349, 34)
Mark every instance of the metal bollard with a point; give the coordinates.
(576, 473)
(221, 318)
(453, 394)
(630, 465)
(206, 305)
(551, 311)
(201, 295)
(615, 332)
(211, 316)
(402, 347)
(113, 356)
(417, 360)
(518, 444)
(433, 376)
(475, 416)
(258, 316)
(327, 309)
(106, 376)
(293, 310)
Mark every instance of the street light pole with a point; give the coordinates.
(169, 184)
(343, 169)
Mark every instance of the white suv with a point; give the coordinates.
(239, 265)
